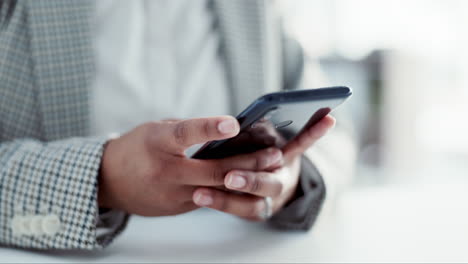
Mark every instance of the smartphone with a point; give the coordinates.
(274, 119)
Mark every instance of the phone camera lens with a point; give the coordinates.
(283, 124)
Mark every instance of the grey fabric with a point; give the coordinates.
(48, 163)
(293, 64)
(252, 42)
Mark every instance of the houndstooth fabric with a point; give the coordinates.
(45, 68)
(43, 178)
(48, 164)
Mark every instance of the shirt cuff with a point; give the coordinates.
(110, 223)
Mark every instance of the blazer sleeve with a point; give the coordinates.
(48, 195)
(327, 167)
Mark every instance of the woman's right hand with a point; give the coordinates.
(146, 172)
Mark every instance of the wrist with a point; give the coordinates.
(104, 197)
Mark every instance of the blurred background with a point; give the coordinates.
(406, 61)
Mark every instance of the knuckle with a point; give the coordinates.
(261, 159)
(217, 173)
(258, 160)
(180, 133)
(222, 203)
(255, 184)
(217, 176)
(206, 128)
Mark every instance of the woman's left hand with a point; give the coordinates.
(259, 194)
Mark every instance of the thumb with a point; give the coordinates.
(185, 133)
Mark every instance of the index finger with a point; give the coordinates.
(212, 172)
(308, 137)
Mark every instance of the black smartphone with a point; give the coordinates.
(276, 118)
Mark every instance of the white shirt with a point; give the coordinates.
(155, 60)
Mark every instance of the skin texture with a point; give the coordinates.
(146, 172)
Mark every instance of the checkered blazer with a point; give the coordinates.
(48, 163)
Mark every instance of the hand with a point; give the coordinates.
(146, 172)
(280, 183)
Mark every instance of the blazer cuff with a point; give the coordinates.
(50, 193)
(302, 211)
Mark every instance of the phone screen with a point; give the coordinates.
(274, 119)
(272, 129)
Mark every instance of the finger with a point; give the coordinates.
(263, 184)
(185, 133)
(212, 172)
(245, 206)
(256, 161)
(308, 137)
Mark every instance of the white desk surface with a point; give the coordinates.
(393, 224)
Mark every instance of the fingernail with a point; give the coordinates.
(274, 158)
(203, 199)
(236, 181)
(227, 126)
